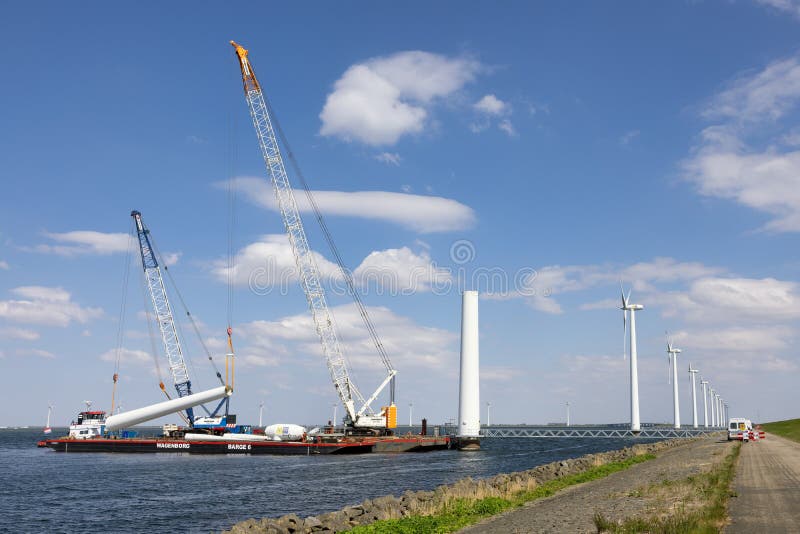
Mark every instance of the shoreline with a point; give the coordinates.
(426, 503)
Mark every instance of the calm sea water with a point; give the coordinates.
(45, 491)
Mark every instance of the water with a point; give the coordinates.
(45, 491)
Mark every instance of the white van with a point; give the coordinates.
(737, 426)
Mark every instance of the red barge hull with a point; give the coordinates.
(156, 445)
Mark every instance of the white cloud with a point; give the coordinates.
(85, 242)
(390, 158)
(18, 333)
(790, 6)
(49, 294)
(506, 126)
(725, 165)
(171, 258)
(768, 181)
(491, 105)
(4, 265)
(47, 306)
(407, 343)
(130, 356)
(769, 94)
(555, 279)
(424, 214)
(734, 299)
(385, 98)
(753, 339)
(268, 263)
(39, 353)
(400, 270)
(629, 136)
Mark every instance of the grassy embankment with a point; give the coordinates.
(464, 512)
(788, 429)
(701, 505)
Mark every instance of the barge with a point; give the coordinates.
(312, 445)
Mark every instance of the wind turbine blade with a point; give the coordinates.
(628, 298)
(669, 368)
(624, 334)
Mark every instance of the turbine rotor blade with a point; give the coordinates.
(624, 334)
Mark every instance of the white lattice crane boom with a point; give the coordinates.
(306, 263)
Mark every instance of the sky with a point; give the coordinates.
(538, 153)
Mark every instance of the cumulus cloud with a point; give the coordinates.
(755, 339)
(716, 299)
(407, 343)
(424, 214)
(506, 126)
(379, 101)
(491, 105)
(400, 270)
(268, 263)
(550, 281)
(726, 164)
(4, 265)
(18, 333)
(47, 306)
(84, 242)
(390, 158)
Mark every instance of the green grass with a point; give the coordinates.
(788, 429)
(463, 512)
(712, 488)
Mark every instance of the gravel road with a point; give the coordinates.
(637, 491)
(768, 487)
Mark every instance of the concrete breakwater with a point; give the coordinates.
(431, 502)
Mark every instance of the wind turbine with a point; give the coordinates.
(260, 413)
(410, 407)
(567, 413)
(672, 356)
(47, 428)
(633, 308)
(488, 414)
(720, 421)
(704, 383)
(693, 372)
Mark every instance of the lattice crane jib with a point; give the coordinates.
(303, 255)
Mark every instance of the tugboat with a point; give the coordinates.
(90, 424)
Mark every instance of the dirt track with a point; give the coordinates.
(637, 491)
(768, 487)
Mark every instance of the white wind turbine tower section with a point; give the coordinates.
(720, 420)
(633, 308)
(713, 406)
(704, 383)
(672, 355)
(692, 373)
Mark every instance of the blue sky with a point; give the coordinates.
(585, 142)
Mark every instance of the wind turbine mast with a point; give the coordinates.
(633, 308)
(704, 383)
(693, 372)
(672, 355)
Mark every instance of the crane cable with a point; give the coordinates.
(121, 320)
(332, 245)
(188, 314)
